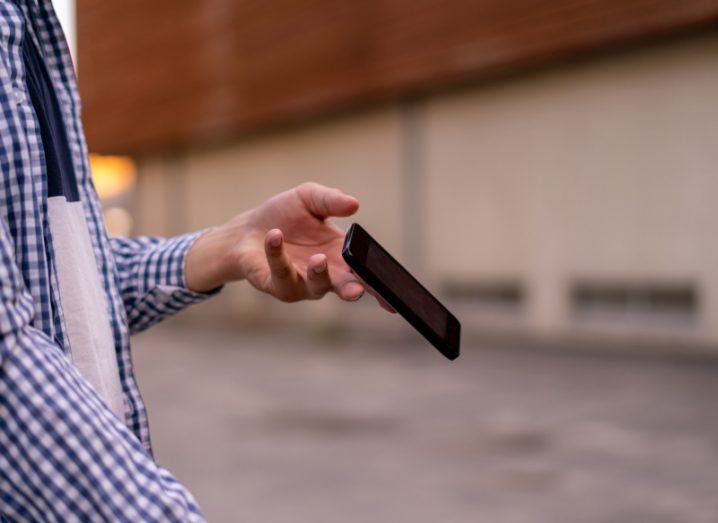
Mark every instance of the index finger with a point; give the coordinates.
(285, 281)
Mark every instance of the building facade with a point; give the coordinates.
(565, 189)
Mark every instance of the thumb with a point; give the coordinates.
(324, 201)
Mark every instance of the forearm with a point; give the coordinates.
(152, 278)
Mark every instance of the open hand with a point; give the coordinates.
(286, 247)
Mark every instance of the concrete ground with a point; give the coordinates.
(282, 429)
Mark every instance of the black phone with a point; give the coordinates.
(402, 291)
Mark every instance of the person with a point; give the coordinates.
(74, 436)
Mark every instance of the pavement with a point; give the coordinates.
(289, 428)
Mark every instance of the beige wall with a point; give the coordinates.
(604, 170)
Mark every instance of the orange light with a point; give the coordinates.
(118, 221)
(113, 175)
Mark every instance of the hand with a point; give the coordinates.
(286, 247)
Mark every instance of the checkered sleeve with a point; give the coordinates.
(64, 456)
(151, 277)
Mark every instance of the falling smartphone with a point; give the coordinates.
(402, 291)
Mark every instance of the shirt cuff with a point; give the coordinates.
(175, 284)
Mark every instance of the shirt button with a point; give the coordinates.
(19, 95)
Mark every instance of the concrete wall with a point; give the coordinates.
(602, 171)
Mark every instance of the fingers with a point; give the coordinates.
(285, 282)
(381, 301)
(323, 201)
(347, 286)
(318, 281)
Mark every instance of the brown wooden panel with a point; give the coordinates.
(168, 73)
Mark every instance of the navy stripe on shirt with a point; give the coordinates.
(61, 179)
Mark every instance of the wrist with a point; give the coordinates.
(213, 259)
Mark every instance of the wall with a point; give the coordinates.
(167, 74)
(601, 171)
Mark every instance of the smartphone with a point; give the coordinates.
(402, 291)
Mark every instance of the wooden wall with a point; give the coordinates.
(163, 74)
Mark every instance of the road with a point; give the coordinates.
(283, 428)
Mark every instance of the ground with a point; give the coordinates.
(284, 428)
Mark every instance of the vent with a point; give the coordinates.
(660, 300)
(494, 294)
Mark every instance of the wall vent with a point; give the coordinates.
(634, 300)
(503, 295)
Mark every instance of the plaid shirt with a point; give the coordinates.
(63, 455)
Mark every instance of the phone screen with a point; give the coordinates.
(403, 285)
(402, 291)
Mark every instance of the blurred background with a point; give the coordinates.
(549, 169)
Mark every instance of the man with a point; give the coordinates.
(74, 441)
